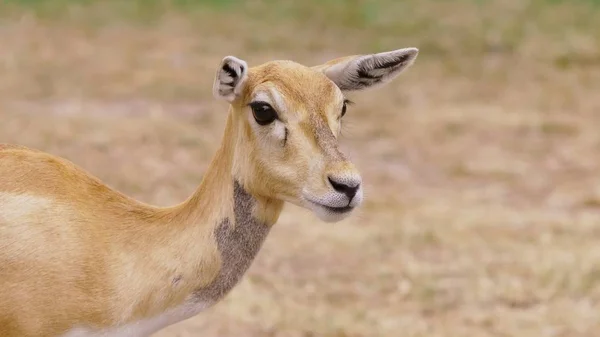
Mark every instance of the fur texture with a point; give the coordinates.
(78, 258)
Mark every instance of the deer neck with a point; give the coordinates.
(226, 185)
(231, 218)
(194, 252)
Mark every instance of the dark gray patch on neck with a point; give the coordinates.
(238, 245)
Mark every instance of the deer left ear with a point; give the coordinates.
(360, 72)
(230, 78)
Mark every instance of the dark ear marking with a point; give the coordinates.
(372, 71)
(227, 68)
(230, 78)
(363, 73)
(366, 71)
(393, 63)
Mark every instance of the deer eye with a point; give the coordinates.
(263, 113)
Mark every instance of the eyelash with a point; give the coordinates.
(345, 107)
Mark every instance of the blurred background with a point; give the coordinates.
(481, 161)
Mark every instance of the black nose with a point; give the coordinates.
(346, 187)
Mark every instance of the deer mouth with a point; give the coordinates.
(338, 210)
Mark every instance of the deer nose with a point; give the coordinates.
(347, 186)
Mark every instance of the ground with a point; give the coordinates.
(480, 163)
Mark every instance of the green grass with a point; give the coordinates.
(377, 14)
(451, 29)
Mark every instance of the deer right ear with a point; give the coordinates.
(230, 78)
(359, 72)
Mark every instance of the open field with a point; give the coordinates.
(481, 162)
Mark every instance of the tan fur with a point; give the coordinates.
(75, 252)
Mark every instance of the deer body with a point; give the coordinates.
(128, 262)
(78, 258)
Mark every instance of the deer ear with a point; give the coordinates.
(230, 78)
(360, 72)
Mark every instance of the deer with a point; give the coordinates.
(79, 258)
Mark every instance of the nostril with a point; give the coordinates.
(337, 186)
(343, 187)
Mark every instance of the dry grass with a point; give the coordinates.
(481, 163)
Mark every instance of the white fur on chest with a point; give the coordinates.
(145, 327)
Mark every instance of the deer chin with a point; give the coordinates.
(330, 214)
